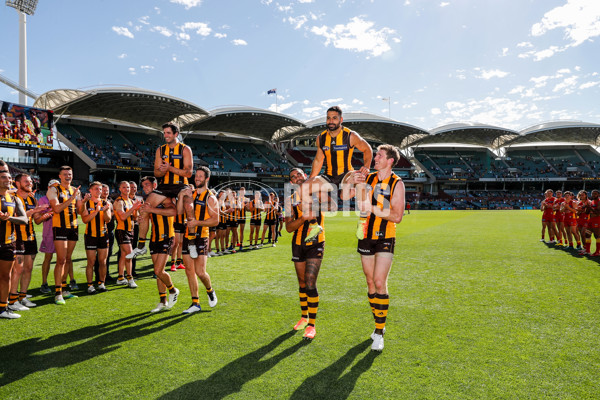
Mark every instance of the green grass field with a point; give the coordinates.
(479, 309)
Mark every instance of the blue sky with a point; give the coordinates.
(511, 63)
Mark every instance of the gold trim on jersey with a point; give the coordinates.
(68, 217)
(97, 226)
(26, 232)
(381, 197)
(127, 224)
(162, 227)
(302, 231)
(173, 157)
(337, 151)
(200, 202)
(7, 229)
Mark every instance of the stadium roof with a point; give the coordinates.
(470, 133)
(560, 131)
(134, 105)
(370, 127)
(247, 121)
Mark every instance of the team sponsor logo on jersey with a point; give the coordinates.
(199, 202)
(325, 148)
(9, 204)
(30, 207)
(339, 147)
(176, 156)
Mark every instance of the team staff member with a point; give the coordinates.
(173, 163)
(66, 202)
(307, 256)
(256, 208)
(96, 213)
(335, 147)
(26, 245)
(124, 211)
(384, 205)
(160, 244)
(206, 214)
(11, 212)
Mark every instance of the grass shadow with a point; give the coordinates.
(230, 379)
(22, 358)
(329, 382)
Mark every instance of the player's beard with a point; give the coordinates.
(332, 127)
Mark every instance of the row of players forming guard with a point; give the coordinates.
(379, 197)
(572, 220)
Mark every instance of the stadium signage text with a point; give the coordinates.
(522, 179)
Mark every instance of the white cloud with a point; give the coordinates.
(306, 1)
(187, 3)
(357, 101)
(330, 102)
(312, 111)
(492, 73)
(162, 30)
(239, 42)
(504, 51)
(183, 36)
(266, 2)
(580, 20)
(144, 20)
(436, 111)
(284, 106)
(357, 35)
(567, 86)
(517, 90)
(131, 70)
(409, 105)
(220, 35)
(120, 30)
(588, 85)
(146, 68)
(298, 21)
(201, 28)
(444, 4)
(285, 9)
(525, 44)
(122, 56)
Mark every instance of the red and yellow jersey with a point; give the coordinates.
(568, 214)
(173, 157)
(97, 225)
(7, 229)
(548, 204)
(557, 202)
(337, 151)
(583, 211)
(200, 202)
(126, 224)
(68, 217)
(381, 197)
(302, 231)
(594, 209)
(26, 233)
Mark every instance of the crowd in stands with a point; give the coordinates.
(476, 200)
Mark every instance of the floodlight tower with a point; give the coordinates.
(24, 7)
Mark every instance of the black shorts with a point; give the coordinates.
(170, 190)
(7, 252)
(334, 180)
(212, 228)
(255, 222)
(161, 247)
(201, 246)
(302, 252)
(95, 243)
(368, 247)
(27, 248)
(70, 234)
(241, 221)
(222, 226)
(232, 224)
(123, 237)
(269, 222)
(178, 227)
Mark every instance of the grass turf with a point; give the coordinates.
(479, 309)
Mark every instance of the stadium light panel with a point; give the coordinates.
(25, 6)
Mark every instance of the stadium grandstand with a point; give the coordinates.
(111, 134)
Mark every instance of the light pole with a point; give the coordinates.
(24, 7)
(388, 99)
